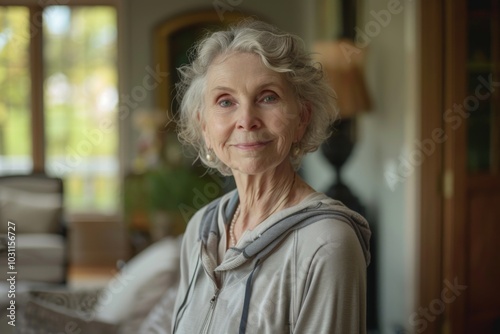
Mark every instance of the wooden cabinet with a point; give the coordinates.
(481, 228)
(460, 182)
(483, 269)
(482, 100)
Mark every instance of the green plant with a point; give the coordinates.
(169, 187)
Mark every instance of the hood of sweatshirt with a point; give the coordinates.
(267, 240)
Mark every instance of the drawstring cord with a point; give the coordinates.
(246, 303)
(177, 319)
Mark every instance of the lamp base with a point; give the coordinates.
(337, 150)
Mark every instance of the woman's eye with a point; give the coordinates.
(269, 99)
(225, 103)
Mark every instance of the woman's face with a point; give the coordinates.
(251, 116)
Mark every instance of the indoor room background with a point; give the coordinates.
(121, 160)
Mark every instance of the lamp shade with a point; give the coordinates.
(343, 63)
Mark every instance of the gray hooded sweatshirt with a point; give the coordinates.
(302, 270)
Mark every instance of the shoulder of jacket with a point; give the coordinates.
(326, 231)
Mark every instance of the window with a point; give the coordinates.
(77, 80)
(15, 143)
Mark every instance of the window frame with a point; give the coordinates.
(36, 70)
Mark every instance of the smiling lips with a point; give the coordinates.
(252, 145)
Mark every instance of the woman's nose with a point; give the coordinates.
(248, 118)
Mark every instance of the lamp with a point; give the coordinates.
(343, 63)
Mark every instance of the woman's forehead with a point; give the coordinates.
(241, 69)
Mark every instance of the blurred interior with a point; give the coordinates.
(87, 97)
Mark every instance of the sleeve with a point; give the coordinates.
(333, 298)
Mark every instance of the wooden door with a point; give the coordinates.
(460, 230)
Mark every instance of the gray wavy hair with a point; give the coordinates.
(281, 52)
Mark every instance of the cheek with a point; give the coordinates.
(216, 132)
(286, 124)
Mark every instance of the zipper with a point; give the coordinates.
(208, 318)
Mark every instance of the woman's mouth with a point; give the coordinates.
(252, 145)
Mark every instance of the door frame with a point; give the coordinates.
(430, 19)
(443, 174)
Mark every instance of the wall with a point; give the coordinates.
(386, 136)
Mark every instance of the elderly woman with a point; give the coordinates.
(274, 255)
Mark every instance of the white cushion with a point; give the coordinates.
(30, 211)
(142, 273)
(41, 248)
(39, 257)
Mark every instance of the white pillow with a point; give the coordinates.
(119, 298)
(31, 212)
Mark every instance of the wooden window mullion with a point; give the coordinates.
(37, 106)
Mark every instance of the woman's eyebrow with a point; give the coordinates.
(268, 83)
(224, 88)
